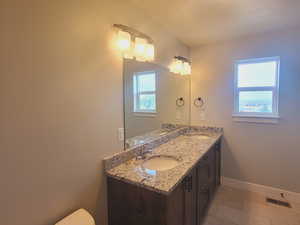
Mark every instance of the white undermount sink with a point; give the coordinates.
(160, 163)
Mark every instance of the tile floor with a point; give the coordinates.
(239, 207)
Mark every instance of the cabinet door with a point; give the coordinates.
(203, 198)
(206, 173)
(203, 194)
(203, 171)
(213, 172)
(218, 163)
(190, 212)
(132, 205)
(176, 206)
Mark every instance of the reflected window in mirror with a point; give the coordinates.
(144, 95)
(150, 93)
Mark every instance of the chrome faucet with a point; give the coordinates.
(143, 154)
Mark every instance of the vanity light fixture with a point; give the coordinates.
(180, 65)
(140, 46)
(134, 44)
(124, 44)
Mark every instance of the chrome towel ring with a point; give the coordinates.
(180, 102)
(198, 102)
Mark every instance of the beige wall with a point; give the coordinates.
(260, 153)
(169, 87)
(61, 104)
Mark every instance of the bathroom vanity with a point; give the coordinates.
(169, 171)
(169, 181)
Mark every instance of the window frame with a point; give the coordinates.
(136, 94)
(274, 89)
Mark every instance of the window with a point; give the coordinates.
(144, 91)
(256, 87)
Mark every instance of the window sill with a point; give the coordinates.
(273, 119)
(145, 114)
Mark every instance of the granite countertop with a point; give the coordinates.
(150, 136)
(188, 148)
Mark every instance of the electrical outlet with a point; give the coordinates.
(121, 134)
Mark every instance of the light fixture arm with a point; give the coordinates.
(181, 58)
(133, 32)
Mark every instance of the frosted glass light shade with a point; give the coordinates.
(175, 66)
(140, 49)
(128, 54)
(149, 52)
(180, 67)
(186, 68)
(189, 69)
(123, 41)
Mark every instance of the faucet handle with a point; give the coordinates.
(139, 157)
(147, 151)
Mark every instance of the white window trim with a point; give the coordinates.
(254, 116)
(138, 112)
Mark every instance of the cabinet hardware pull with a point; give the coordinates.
(180, 102)
(198, 102)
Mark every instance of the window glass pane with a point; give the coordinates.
(255, 101)
(146, 82)
(147, 102)
(257, 74)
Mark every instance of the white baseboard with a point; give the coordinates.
(275, 193)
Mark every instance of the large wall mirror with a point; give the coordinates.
(155, 101)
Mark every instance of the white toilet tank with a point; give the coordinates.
(79, 217)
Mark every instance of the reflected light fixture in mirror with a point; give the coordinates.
(180, 65)
(134, 44)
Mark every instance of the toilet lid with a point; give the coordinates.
(79, 217)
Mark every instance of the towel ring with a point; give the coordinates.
(198, 102)
(180, 102)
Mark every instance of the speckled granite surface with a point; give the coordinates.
(184, 144)
(148, 137)
(121, 157)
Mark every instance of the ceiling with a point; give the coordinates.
(198, 22)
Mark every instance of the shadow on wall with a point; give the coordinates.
(96, 191)
(101, 215)
(228, 156)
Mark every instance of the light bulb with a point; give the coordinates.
(128, 54)
(171, 66)
(123, 41)
(149, 52)
(175, 66)
(178, 66)
(189, 69)
(140, 49)
(186, 68)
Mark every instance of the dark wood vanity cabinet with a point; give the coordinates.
(187, 204)
(208, 179)
(133, 205)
